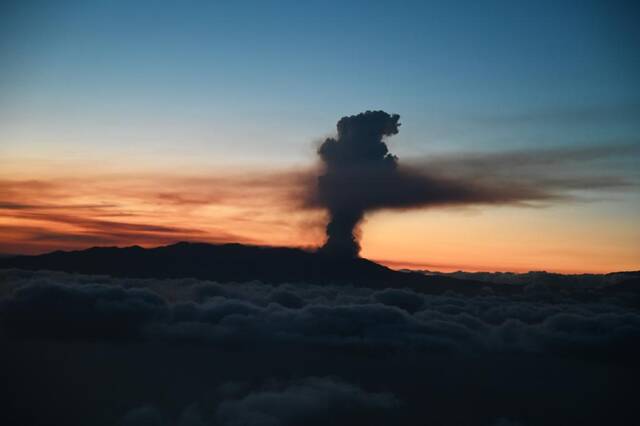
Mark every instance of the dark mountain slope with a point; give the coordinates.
(238, 263)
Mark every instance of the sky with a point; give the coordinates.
(152, 122)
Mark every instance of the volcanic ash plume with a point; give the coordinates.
(361, 176)
(354, 160)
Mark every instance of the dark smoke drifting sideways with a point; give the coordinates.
(361, 176)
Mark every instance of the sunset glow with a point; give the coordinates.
(206, 128)
(264, 207)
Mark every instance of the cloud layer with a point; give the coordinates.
(348, 317)
(256, 354)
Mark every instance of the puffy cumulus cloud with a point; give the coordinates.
(403, 299)
(66, 306)
(146, 415)
(312, 401)
(308, 400)
(92, 311)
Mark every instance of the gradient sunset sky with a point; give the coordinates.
(151, 122)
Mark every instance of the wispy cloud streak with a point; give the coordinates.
(283, 207)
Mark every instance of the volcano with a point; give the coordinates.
(241, 263)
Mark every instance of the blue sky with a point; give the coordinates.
(273, 76)
(129, 87)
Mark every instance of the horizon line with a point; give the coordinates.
(398, 265)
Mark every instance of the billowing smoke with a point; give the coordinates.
(357, 152)
(361, 176)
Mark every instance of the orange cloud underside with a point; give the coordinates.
(266, 208)
(39, 216)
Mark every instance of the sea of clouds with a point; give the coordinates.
(259, 354)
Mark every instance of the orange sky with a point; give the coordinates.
(44, 211)
(118, 129)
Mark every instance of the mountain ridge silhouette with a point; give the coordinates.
(234, 262)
